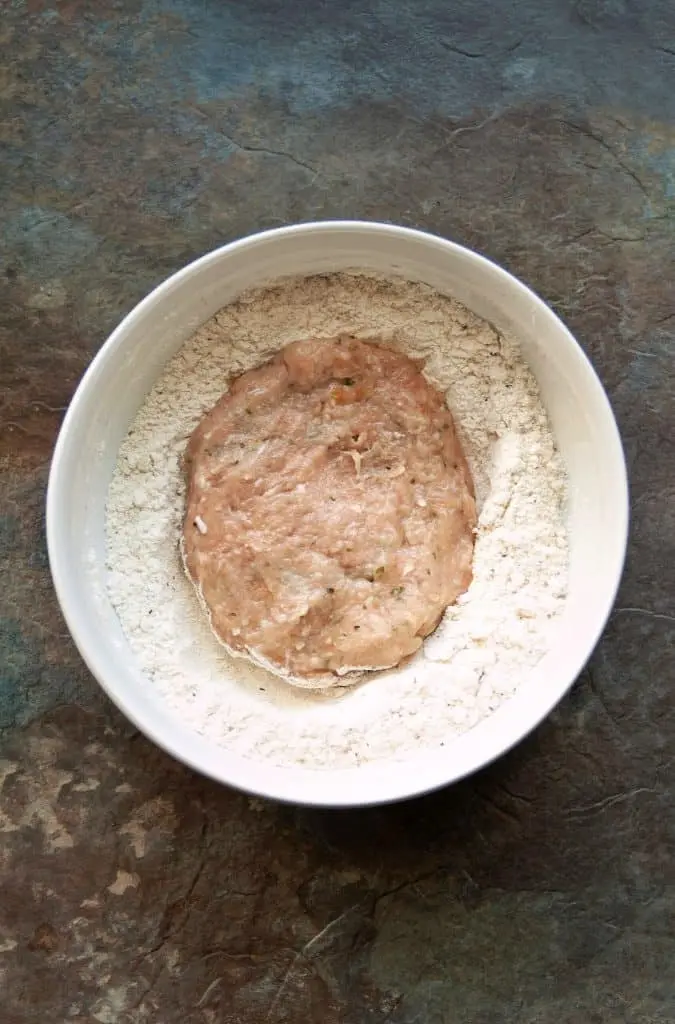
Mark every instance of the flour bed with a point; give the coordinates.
(486, 643)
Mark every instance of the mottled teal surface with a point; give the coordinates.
(137, 134)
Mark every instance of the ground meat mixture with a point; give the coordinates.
(330, 512)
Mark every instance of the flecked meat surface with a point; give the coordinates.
(330, 511)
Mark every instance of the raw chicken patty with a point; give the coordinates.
(330, 512)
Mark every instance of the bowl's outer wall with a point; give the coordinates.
(129, 363)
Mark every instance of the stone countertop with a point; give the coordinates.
(137, 134)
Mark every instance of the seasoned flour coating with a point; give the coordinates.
(330, 511)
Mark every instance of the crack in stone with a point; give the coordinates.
(168, 925)
(620, 238)
(645, 611)
(463, 129)
(479, 55)
(313, 949)
(577, 238)
(587, 133)
(460, 51)
(527, 800)
(320, 943)
(597, 692)
(207, 992)
(608, 801)
(243, 148)
(501, 811)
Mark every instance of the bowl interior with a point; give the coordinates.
(128, 365)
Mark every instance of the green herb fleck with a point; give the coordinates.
(397, 591)
(348, 382)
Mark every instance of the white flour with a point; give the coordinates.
(482, 650)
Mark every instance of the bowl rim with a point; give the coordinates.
(339, 787)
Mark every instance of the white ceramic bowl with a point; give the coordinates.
(127, 366)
